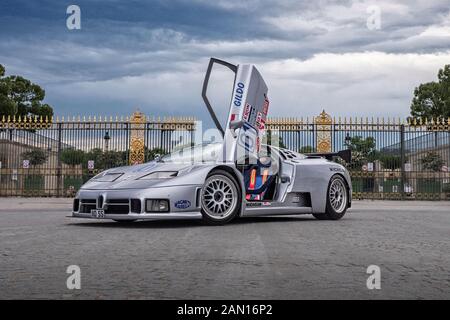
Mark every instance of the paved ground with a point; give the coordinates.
(279, 258)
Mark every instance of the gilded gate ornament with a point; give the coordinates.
(137, 146)
(323, 132)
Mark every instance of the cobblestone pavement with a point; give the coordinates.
(277, 258)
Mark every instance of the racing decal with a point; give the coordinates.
(258, 120)
(238, 94)
(267, 203)
(265, 174)
(265, 105)
(248, 138)
(252, 180)
(247, 110)
(182, 204)
(252, 204)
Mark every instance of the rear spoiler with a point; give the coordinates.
(345, 155)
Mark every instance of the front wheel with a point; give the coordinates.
(337, 200)
(220, 198)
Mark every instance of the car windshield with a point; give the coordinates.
(198, 153)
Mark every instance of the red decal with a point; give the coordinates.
(246, 112)
(233, 116)
(266, 105)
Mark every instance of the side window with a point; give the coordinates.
(220, 90)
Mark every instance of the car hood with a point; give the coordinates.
(131, 177)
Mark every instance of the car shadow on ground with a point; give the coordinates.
(180, 223)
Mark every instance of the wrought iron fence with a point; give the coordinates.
(392, 158)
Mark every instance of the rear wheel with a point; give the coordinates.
(220, 198)
(337, 200)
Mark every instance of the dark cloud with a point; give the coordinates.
(128, 46)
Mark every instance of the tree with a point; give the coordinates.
(72, 157)
(150, 154)
(432, 161)
(306, 149)
(271, 139)
(105, 160)
(363, 150)
(21, 97)
(35, 156)
(432, 99)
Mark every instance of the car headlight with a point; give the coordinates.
(159, 175)
(156, 205)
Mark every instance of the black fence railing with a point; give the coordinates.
(390, 159)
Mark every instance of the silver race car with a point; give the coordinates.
(217, 182)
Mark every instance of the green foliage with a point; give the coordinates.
(105, 159)
(150, 154)
(271, 139)
(35, 156)
(306, 149)
(446, 187)
(363, 150)
(390, 161)
(432, 161)
(72, 157)
(432, 99)
(21, 97)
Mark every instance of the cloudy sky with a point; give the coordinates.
(314, 55)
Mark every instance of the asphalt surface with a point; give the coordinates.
(292, 257)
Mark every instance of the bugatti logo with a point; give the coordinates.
(182, 204)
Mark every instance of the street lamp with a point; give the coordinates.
(348, 141)
(106, 138)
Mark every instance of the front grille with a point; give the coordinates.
(100, 202)
(120, 201)
(112, 206)
(86, 205)
(135, 205)
(117, 206)
(117, 209)
(76, 205)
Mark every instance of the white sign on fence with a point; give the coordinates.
(0, 164)
(26, 164)
(14, 175)
(91, 164)
(407, 167)
(370, 166)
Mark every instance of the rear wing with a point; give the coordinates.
(345, 155)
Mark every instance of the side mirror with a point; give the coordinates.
(157, 157)
(234, 125)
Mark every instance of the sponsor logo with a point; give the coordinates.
(258, 120)
(265, 105)
(247, 110)
(182, 204)
(254, 204)
(238, 94)
(248, 137)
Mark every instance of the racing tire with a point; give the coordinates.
(337, 199)
(221, 198)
